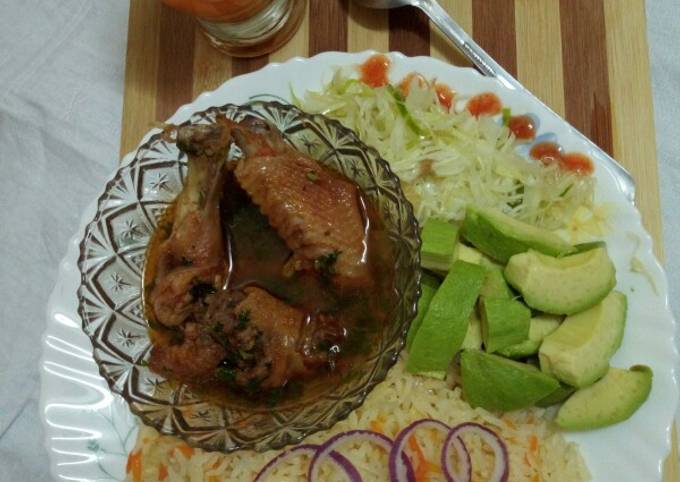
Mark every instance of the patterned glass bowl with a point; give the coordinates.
(111, 263)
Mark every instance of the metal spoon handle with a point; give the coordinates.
(489, 67)
(468, 47)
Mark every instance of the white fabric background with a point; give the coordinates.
(61, 86)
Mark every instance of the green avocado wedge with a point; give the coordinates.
(473, 337)
(505, 322)
(439, 242)
(539, 327)
(495, 285)
(578, 352)
(498, 384)
(467, 254)
(611, 400)
(429, 285)
(499, 236)
(443, 329)
(562, 286)
(558, 396)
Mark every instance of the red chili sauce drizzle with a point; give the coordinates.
(374, 74)
(374, 70)
(523, 127)
(486, 103)
(444, 94)
(549, 152)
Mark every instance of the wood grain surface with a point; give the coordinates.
(587, 59)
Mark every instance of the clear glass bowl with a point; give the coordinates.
(111, 263)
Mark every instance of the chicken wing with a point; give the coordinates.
(317, 212)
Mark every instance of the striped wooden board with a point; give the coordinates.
(587, 59)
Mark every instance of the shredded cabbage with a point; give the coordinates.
(449, 158)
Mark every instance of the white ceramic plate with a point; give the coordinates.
(89, 431)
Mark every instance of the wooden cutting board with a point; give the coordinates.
(587, 59)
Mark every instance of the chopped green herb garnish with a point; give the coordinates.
(312, 176)
(243, 318)
(226, 374)
(245, 355)
(324, 345)
(186, 261)
(567, 189)
(253, 385)
(507, 113)
(325, 264)
(201, 290)
(274, 397)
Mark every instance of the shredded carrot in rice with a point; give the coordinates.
(162, 472)
(185, 450)
(533, 443)
(134, 466)
(509, 423)
(377, 425)
(423, 467)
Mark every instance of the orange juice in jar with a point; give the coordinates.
(245, 28)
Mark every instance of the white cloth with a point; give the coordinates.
(61, 86)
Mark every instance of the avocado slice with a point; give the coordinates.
(466, 253)
(539, 327)
(558, 396)
(500, 236)
(473, 337)
(495, 285)
(428, 285)
(578, 352)
(496, 383)
(562, 286)
(611, 400)
(439, 239)
(445, 324)
(505, 322)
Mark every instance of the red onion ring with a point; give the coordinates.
(309, 449)
(398, 473)
(464, 473)
(329, 447)
(501, 468)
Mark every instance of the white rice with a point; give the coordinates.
(537, 451)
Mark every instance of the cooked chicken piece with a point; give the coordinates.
(280, 327)
(267, 342)
(318, 213)
(192, 260)
(193, 360)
